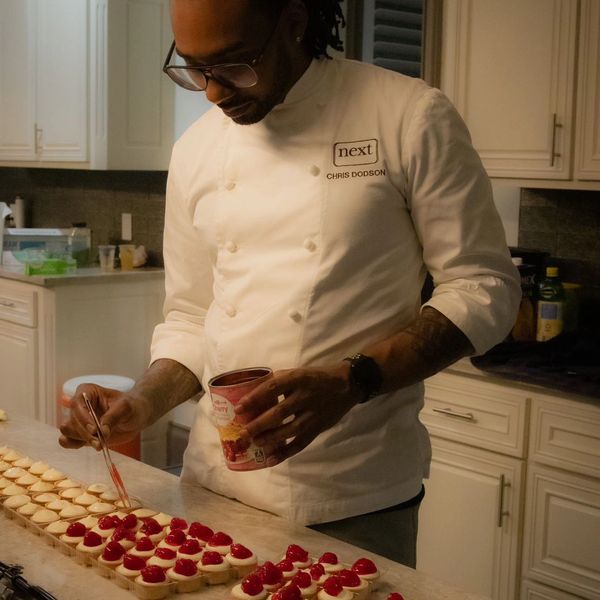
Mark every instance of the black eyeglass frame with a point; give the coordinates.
(207, 71)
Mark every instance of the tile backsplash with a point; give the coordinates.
(60, 197)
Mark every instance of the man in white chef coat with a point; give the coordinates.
(302, 214)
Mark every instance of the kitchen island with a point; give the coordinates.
(266, 534)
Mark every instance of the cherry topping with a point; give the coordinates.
(289, 592)
(330, 558)
(202, 532)
(177, 523)
(151, 526)
(220, 539)
(395, 596)
(349, 578)
(113, 551)
(106, 522)
(190, 546)
(133, 563)
(211, 558)
(302, 579)
(252, 585)
(185, 566)
(316, 571)
(364, 566)
(333, 585)
(144, 544)
(153, 574)
(176, 537)
(165, 553)
(285, 565)
(130, 521)
(270, 573)
(76, 530)
(239, 551)
(91, 539)
(120, 533)
(296, 553)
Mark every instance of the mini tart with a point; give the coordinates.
(173, 540)
(190, 549)
(288, 570)
(89, 521)
(73, 511)
(27, 479)
(201, 532)
(52, 475)
(299, 556)
(44, 516)
(366, 569)
(97, 488)
(13, 473)
(138, 549)
(101, 508)
(89, 545)
(358, 588)
(108, 495)
(41, 486)
(162, 561)
(127, 572)
(307, 586)
(317, 573)
(163, 519)
(85, 499)
(143, 513)
(104, 528)
(242, 566)
(72, 540)
(219, 542)
(343, 595)
(152, 590)
(11, 455)
(112, 555)
(214, 573)
(330, 563)
(186, 583)
(57, 528)
(27, 510)
(67, 483)
(38, 467)
(237, 593)
(4, 450)
(45, 497)
(14, 490)
(58, 505)
(24, 462)
(71, 493)
(16, 501)
(4, 465)
(4, 482)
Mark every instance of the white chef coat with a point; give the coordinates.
(306, 237)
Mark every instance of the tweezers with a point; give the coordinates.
(112, 468)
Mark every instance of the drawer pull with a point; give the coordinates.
(451, 413)
(7, 304)
(501, 512)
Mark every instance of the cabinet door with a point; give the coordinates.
(62, 80)
(509, 67)
(587, 153)
(469, 520)
(18, 370)
(562, 531)
(535, 591)
(17, 80)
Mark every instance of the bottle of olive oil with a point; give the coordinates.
(550, 305)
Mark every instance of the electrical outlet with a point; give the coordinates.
(126, 228)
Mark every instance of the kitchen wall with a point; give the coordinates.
(60, 197)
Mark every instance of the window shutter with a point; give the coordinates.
(393, 35)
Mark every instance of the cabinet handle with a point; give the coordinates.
(7, 304)
(458, 415)
(555, 126)
(501, 512)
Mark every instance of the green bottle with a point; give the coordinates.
(550, 305)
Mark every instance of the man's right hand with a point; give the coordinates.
(120, 416)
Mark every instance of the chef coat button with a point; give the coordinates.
(230, 311)
(229, 185)
(310, 245)
(314, 170)
(294, 315)
(231, 247)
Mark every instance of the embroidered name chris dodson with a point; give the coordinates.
(359, 152)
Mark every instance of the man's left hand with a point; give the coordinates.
(314, 399)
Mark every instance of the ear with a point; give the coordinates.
(297, 17)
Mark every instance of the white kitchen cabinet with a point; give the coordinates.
(72, 326)
(536, 591)
(43, 80)
(510, 68)
(470, 518)
(562, 524)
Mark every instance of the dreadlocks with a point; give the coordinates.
(325, 17)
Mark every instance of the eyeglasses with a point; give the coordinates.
(235, 75)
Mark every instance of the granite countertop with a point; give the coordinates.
(86, 275)
(266, 534)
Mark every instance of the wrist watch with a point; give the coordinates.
(365, 375)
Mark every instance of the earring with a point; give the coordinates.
(298, 38)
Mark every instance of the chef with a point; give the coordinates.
(303, 212)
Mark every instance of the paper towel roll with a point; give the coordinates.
(19, 212)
